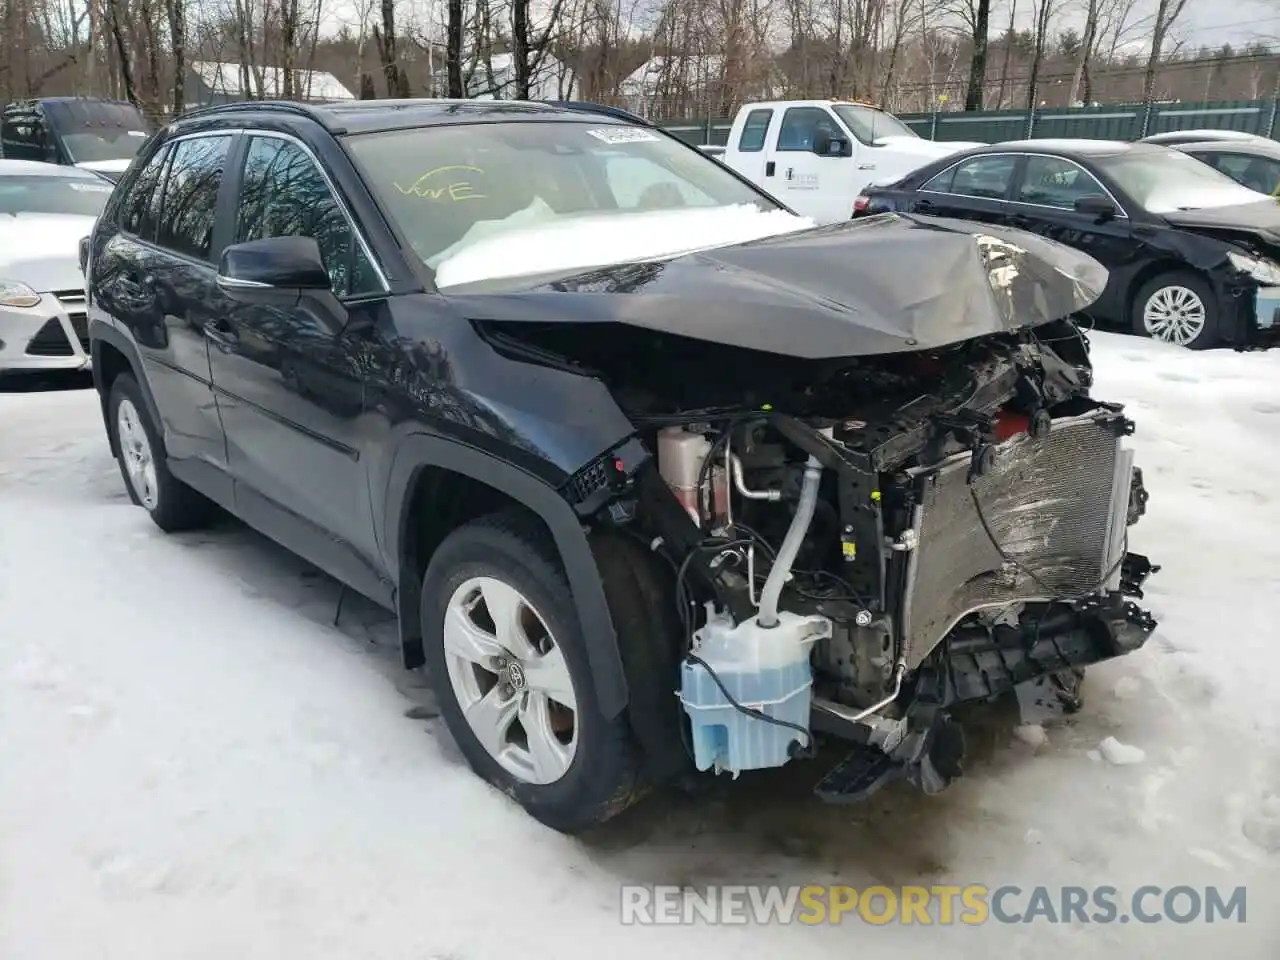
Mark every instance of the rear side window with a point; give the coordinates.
(138, 211)
(986, 177)
(754, 129)
(22, 137)
(189, 207)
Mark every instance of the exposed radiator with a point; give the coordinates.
(1055, 505)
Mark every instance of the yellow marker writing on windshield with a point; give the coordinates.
(454, 191)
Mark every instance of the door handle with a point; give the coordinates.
(866, 166)
(221, 334)
(924, 206)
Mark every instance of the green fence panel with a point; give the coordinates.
(1118, 121)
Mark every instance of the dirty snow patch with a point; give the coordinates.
(1031, 734)
(1120, 754)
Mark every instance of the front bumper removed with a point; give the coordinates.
(1040, 659)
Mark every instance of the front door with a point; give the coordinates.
(814, 186)
(1044, 203)
(289, 381)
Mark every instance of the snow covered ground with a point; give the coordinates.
(194, 763)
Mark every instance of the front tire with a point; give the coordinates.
(140, 453)
(508, 664)
(1179, 308)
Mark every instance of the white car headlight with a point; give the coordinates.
(1264, 271)
(15, 294)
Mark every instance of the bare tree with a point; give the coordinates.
(1167, 12)
(977, 18)
(453, 51)
(1044, 11)
(176, 10)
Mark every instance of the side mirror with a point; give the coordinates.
(282, 272)
(1097, 206)
(825, 145)
(258, 271)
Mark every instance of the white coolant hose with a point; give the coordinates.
(768, 616)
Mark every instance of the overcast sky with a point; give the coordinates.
(1208, 23)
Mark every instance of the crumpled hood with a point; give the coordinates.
(876, 285)
(42, 250)
(1261, 218)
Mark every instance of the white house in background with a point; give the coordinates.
(700, 76)
(552, 79)
(643, 88)
(222, 83)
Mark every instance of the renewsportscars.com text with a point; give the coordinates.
(969, 905)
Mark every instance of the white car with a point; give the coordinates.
(45, 210)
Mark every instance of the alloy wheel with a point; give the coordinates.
(1174, 314)
(135, 449)
(511, 680)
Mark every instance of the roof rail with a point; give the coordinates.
(586, 106)
(273, 106)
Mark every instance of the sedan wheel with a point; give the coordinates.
(510, 680)
(1174, 314)
(136, 456)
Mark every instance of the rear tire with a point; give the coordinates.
(1179, 308)
(172, 504)
(504, 652)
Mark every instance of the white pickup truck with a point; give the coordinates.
(816, 155)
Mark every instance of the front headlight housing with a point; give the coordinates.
(1264, 271)
(15, 294)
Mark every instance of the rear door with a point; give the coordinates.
(974, 189)
(748, 151)
(156, 278)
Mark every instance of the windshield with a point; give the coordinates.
(1162, 181)
(112, 144)
(53, 195)
(869, 124)
(449, 188)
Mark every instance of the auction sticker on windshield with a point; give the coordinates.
(614, 135)
(90, 187)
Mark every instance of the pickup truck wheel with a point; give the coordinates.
(171, 503)
(508, 665)
(1178, 308)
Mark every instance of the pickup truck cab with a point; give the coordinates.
(817, 155)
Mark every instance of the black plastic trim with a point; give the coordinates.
(418, 451)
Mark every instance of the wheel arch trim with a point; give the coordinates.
(418, 451)
(105, 333)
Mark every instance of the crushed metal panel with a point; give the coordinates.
(1049, 504)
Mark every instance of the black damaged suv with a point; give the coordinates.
(657, 475)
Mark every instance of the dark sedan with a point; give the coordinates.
(1193, 256)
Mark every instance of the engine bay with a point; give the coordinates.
(858, 545)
